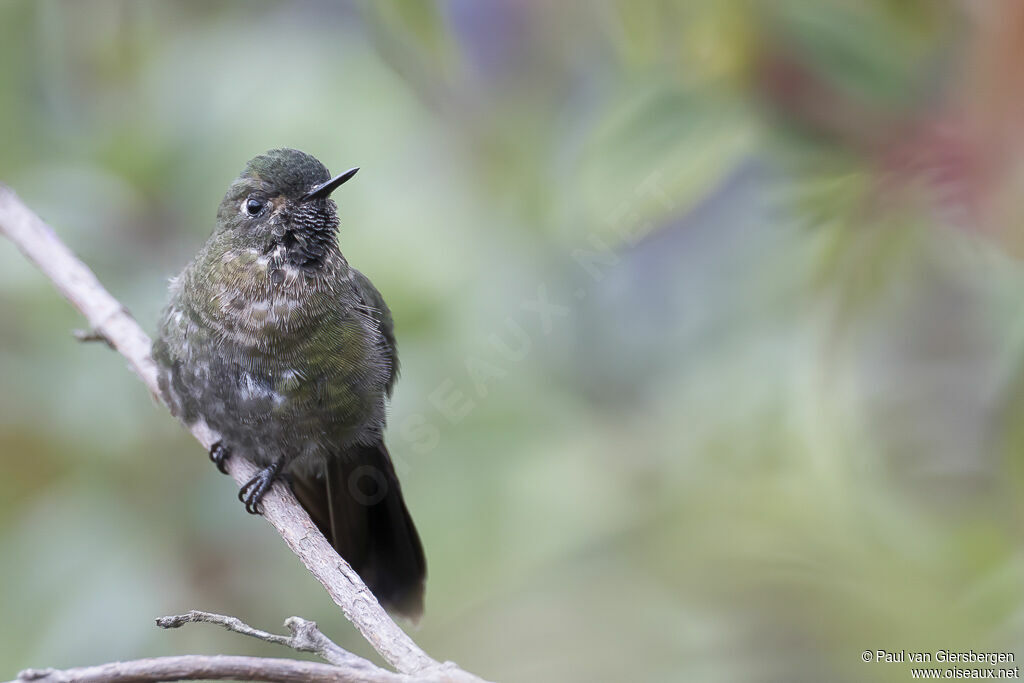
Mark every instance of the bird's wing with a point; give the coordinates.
(374, 306)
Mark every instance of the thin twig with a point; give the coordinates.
(306, 636)
(91, 336)
(108, 318)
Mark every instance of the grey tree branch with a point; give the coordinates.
(205, 667)
(109, 320)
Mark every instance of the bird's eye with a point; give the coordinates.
(254, 206)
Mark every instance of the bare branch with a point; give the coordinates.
(109, 319)
(208, 667)
(306, 636)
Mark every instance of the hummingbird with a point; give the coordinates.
(288, 353)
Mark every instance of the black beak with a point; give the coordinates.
(323, 190)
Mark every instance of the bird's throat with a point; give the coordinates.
(309, 238)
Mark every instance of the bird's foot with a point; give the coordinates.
(219, 453)
(252, 493)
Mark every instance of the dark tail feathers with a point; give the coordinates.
(357, 503)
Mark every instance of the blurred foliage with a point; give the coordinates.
(712, 366)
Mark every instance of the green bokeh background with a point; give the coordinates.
(770, 424)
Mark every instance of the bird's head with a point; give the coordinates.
(282, 199)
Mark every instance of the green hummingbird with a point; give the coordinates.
(288, 352)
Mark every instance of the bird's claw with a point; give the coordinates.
(252, 493)
(219, 453)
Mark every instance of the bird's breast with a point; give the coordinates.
(260, 299)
